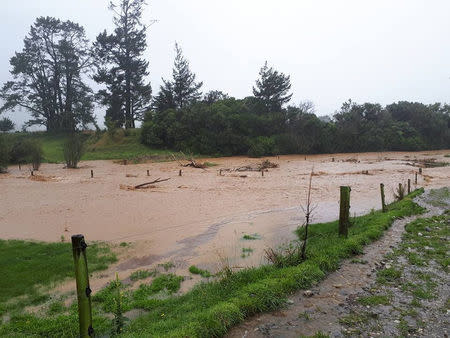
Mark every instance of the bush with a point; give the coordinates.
(36, 155)
(27, 151)
(262, 146)
(4, 155)
(6, 124)
(73, 150)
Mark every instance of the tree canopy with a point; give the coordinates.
(48, 76)
(120, 66)
(272, 88)
(182, 90)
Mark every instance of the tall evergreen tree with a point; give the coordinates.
(120, 66)
(272, 88)
(182, 91)
(48, 76)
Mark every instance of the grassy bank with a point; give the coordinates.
(99, 146)
(210, 309)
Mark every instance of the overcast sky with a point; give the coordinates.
(369, 51)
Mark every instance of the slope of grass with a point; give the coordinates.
(100, 146)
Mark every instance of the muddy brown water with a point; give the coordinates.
(198, 218)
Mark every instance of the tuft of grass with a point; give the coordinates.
(251, 237)
(196, 271)
(374, 300)
(167, 266)
(390, 275)
(142, 274)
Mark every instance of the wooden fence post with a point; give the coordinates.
(92, 173)
(180, 173)
(409, 186)
(420, 171)
(83, 289)
(383, 203)
(415, 181)
(262, 173)
(344, 211)
(148, 172)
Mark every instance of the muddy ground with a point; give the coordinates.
(398, 287)
(200, 217)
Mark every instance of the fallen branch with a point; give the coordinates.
(158, 180)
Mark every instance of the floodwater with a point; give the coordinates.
(200, 217)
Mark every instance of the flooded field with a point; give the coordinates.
(202, 217)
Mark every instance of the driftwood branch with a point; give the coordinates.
(158, 180)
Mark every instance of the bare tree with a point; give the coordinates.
(307, 210)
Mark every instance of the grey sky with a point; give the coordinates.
(377, 51)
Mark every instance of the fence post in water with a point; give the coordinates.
(92, 173)
(415, 180)
(180, 173)
(344, 212)
(148, 172)
(83, 289)
(383, 203)
(409, 186)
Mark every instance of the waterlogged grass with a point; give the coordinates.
(211, 308)
(28, 265)
(197, 271)
(251, 237)
(143, 274)
(28, 270)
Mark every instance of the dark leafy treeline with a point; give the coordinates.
(232, 127)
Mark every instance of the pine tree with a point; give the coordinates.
(182, 91)
(272, 88)
(120, 66)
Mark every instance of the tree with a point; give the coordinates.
(182, 91)
(48, 76)
(120, 66)
(186, 90)
(6, 124)
(164, 100)
(272, 88)
(214, 96)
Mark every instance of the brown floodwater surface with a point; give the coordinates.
(199, 217)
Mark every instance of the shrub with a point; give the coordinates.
(262, 146)
(6, 124)
(36, 155)
(4, 155)
(27, 151)
(73, 150)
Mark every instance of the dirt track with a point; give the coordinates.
(201, 216)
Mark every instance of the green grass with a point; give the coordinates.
(211, 308)
(142, 274)
(251, 237)
(103, 146)
(374, 300)
(196, 271)
(26, 265)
